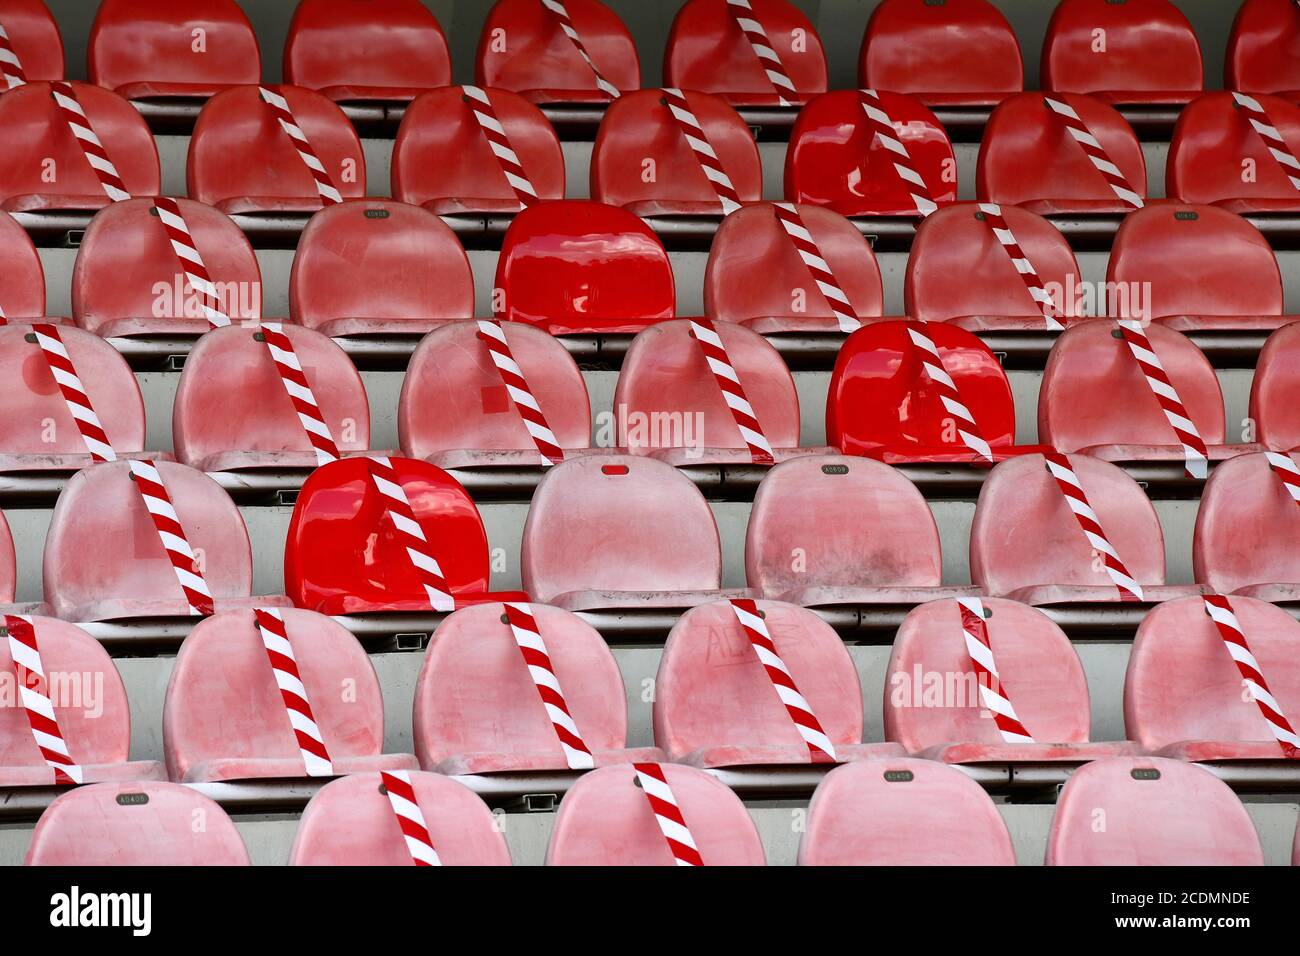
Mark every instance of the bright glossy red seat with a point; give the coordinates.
(606, 820)
(903, 812)
(34, 37)
(1028, 157)
(237, 122)
(442, 160)
(1264, 48)
(1273, 389)
(350, 822)
(836, 159)
(22, 281)
(477, 709)
(135, 824)
(523, 48)
(366, 50)
(1157, 812)
(582, 267)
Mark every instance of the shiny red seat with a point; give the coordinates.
(366, 50)
(163, 50)
(582, 267)
(34, 37)
(1263, 53)
(1273, 408)
(22, 281)
(1157, 813)
(477, 709)
(835, 158)
(442, 160)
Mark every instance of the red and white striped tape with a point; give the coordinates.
(668, 814)
(196, 273)
(297, 705)
(493, 335)
(755, 33)
(10, 65)
(557, 8)
(398, 508)
(499, 142)
(65, 98)
(1287, 471)
(1234, 638)
(1095, 152)
(74, 393)
(183, 560)
(34, 692)
(1059, 467)
(325, 187)
(1271, 135)
(880, 125)
(698, 140)
(1024, 267)
(967, 428)
(811, 254)
(980, 650)
(529, 638)
(300, 393)
(733, 393)
(410, 818)
(820, 748)
(1195, 453)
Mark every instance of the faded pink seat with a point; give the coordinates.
(477, 709)
(1183, 693)
(89, 702)
(224, 717)
(135, 824)
(1039, 672)
(22, 281)
(350, 822)
(1158, 813)
(9, 576)
(715, 705)
(903, 812)
(1026, 545)
(606, 820)
(1273, 407)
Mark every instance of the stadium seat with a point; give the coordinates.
(958, 53)
(477, 709)
(126, 259)
(958, 240)
(1273, 408)
(836, 159)
(51, 173)
(478, 424)
(606, 820)
(708, 51)
(1028, 158)
(9, 576)
(22, 281)
(135, 824)
(583, 267)
(903, 812)
(443, 161)
(1183, 694)
(366, 50)
(523, 48)
(224, 717)
(167, 50)
(1136, 52)
(90, 708)
(653, 539)
(34, 37)
(756, 275)
(1026, 545)
(1157, 812)
(643, 161)
(274, 178)
(884, 404)
(715, 704)
(1264, 48)
(351, 822)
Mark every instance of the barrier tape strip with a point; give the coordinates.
(668, 814)
(768, 58)
(1195, 452)
(804, 243)
(529, 638)
(398, 508)
(1001, 230)
(980, 649)
(1271, 135)
(557, 8)
(1060, 468)
(74, 392)
(325, 187)
(10, 65)
(967, 428)
(196, 273)
(65, 99)
(698, 140)
(410, 819)
(300, 393)
(733, 393)
(512, 166)
(493, 334)
(33, 690)
(1095, 152)
(159, 505)
(883, 128)
(293, 693)
(1287, 472)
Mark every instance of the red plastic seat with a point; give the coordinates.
(350, 822)
(1139, 51)
(756, 277)
(91, 707)
(273, 178)
(582, 267)
(836, 159)
(1157, 813)
(993, 296)
(1264, 48)
(22, 281)
(1026, 545)
(606, 820)
(709, 52)
(366, 50)
(477, 423)
(34, 37)
(956, 53)
(128, 280)
(477, 709)
(135, 824)
(50, 172)
(442, 159)
(716, 706)
(1273, 389)
(224, 717)
(523, 48)
(1028, 157)
(883, 404)
(903, 812)
(160, 49)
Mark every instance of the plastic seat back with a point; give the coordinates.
(8, 562)
(34, 37)
(1273, 408)
(22, 281)
(1246, 527)
(1264, 48)
(1215, 154)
